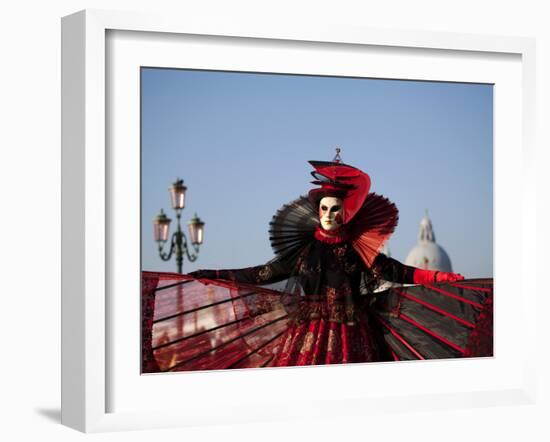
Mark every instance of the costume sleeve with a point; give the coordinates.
(263, 274)
(391, 270)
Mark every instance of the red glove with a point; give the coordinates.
(430, 276)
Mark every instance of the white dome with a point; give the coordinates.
(430, 256)
(427, 254)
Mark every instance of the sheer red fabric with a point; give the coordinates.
(190, 324)
(435, 321)
(206, 325)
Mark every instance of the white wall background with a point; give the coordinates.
(30, 217)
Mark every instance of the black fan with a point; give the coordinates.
(292, 228)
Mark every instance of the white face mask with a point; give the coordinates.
(331, 212)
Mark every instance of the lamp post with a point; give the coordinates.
(178, 243)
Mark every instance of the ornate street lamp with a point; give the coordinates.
(178, 243)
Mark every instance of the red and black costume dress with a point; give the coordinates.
(329, 319)
(316, 302)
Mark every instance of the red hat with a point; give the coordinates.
(342, 181)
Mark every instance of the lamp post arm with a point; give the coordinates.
(191, 256)
(165, 256)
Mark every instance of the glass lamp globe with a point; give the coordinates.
(196, 230)
(161, 227)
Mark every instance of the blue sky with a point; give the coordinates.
(241, 143)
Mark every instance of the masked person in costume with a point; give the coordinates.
(327, 257)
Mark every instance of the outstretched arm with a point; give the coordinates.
(392, 270)
(263, 274)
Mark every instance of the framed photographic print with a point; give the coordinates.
(324, 294)
(199, 261)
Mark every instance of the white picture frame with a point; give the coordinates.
(89, 174)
